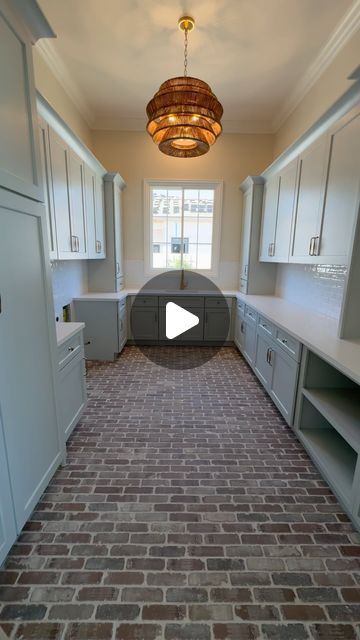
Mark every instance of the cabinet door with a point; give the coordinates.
(250, 342)
(284, 383)
(195, 334)
(19, 144)
(77, 205)
(269, 215)
(60, 190)
(239, 333)
(48, 194)
(306, 227)
(285, 213)
(245, 234)
(7, 515)
(89, 193)
(27, 395)
(216, 321)
(119, 272)
(263, 368)
(72, 393)
(144, 323)
(342, 193)
(122, 325)
(100, 247)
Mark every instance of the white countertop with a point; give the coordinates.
(65, 330)
(315, 331)
(116, 297)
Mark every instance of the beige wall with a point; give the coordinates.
(53, 92)
(136, 157)
(330, 86)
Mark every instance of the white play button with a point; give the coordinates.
(178, 320)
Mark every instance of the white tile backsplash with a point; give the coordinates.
(69, 279)
(319, 288)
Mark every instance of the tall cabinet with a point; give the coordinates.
(108, 275)
(30, 443)
(255, 277)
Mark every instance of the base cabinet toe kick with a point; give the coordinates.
(320, 403)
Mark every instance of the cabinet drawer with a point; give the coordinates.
(218, 302)
(70, 349)
(289, 344)
(265, 327)
(250, 314)
(195, 302)
(144, 301)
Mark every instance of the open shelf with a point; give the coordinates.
(341, 408)
(334, 457)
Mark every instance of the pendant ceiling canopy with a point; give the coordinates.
(184, 115)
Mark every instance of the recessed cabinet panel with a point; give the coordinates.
(7, 515)
(61, 197)
(145, 323)
(46, 172)
(100, 249)
(19, 167)
(283, 385)
(245, 235)
(215, 321)
(270, 207)
(250, 342)
(342, 192)
(89, 192)
(72, 393)
(263, 367)
(26, 382)
(77, 205)
(285, 211)
(307, 217)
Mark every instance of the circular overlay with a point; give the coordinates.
(180, 320)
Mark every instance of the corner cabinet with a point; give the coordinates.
(72, 387)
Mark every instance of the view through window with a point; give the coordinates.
(182, 226)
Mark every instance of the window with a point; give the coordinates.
(182, 225)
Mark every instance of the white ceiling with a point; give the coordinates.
(112, 55)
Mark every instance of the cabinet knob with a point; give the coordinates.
(284, 341)
(70, 348)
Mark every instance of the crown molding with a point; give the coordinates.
(344, 31)
(109, 123)
(63, 75)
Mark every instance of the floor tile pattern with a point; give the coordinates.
(187, 511)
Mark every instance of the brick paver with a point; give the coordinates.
(187, 511)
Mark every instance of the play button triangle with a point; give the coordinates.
(178, 320)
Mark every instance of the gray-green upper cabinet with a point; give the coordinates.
(77, 205)
(287, 187)
(269, 216)
(59, 158)
(341, 202)
(94, 205)
(19, 148)
(48, 193)
(310, 194)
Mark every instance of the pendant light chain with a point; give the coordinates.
(185, 52)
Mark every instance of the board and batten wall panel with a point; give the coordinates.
(136, 158)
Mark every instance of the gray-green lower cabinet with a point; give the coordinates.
(215, 321)
(284, 383)
(249, 348)
(72, 386)
(145, 323)
(105, 332)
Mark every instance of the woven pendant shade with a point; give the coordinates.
(184, 117)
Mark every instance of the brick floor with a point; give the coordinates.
(188, 510)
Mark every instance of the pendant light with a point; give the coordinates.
(184, 115)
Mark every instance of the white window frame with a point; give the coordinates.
(217, 185)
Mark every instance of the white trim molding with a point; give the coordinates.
(344, 31)
(63, 75)
(217, 185)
